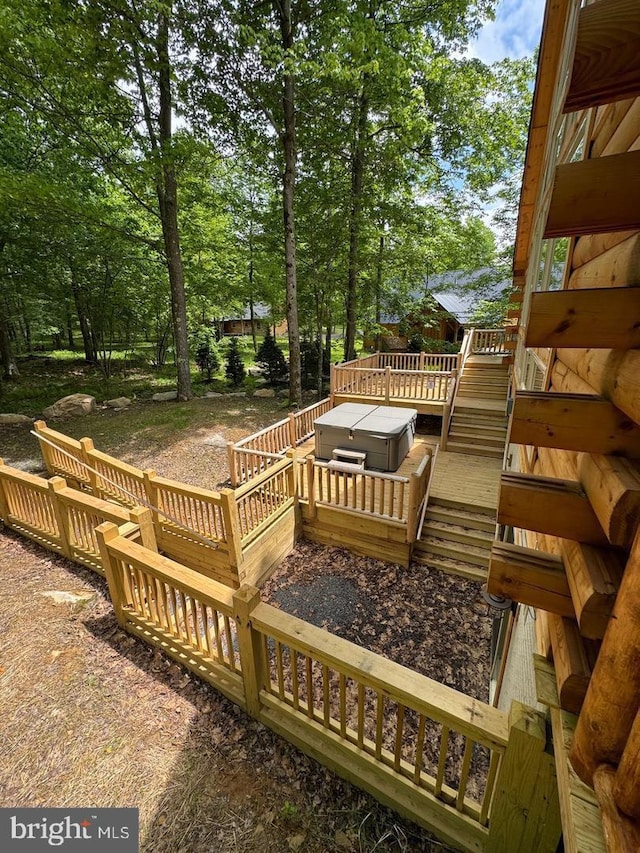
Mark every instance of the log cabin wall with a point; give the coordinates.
(574, 505)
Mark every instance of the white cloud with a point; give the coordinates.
(514, 33)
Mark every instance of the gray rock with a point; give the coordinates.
(261, 381)
(254, 371)
(118, 403)
(74, 405)
(217, 441)
(213, 394)
(264, 392)
(236, 394)
(164, 396)
(77, 598)
(9, 419)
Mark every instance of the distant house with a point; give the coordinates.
(442, 308)
(240, 324)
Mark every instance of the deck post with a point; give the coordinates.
(143, 517)
(231, 456)
(45, 450)
(4, 505)
(311, 485)
(414, 505)
(332, 378)
(232, 526)
(61, 513)
(292, 429)
(105, 533)
(252, 661)
(525, 813)
(86, 445)
(422, 358)
(387, 384)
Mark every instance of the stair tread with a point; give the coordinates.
(446, 564)
(427, 541)
(496, 441)
(484, 515)
(475, 449)
(441, 529)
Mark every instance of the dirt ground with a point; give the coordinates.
(93, 717)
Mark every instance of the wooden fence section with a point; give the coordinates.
(489, 342)
(176, 609)
(442, 362)
(447, 761)
(252, 455)
(386, 385)
(59, 518)
(208, 531)
(63, 455)
(264, 498)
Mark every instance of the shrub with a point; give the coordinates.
(234, 368)
(271, 358)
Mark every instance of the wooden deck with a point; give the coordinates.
(473, 481)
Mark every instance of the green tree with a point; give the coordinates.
(234, 367)
(271, 358)
(205, 352)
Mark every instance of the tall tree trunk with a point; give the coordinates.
(379, 292)
(283, 8)
(69, 325)
(168, 205)
(357, 174)
(88, 339)
(9, 365)
(328, 336)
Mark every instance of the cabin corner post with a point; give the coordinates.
(232, 527)
(61, 513)
(525, 812)
(252, 660)
(613, 696)
(105, 533)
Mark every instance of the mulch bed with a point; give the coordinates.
(431, 622)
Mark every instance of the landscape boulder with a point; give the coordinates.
(164, 396)
(118, 403)
(264, 392)
(72, 406)
(9, 419)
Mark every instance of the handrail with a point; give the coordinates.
(260, 479)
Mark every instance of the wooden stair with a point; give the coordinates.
(456, 539)
(479, 423)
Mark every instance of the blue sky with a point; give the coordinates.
(514, 33)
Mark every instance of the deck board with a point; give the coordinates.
(470, 480)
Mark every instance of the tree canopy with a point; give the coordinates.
(165, 164)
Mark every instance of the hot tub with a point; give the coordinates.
(384, 434)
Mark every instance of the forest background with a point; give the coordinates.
(166, 164)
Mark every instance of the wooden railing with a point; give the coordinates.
(304, 419)
(443, 362)
(58, 517)
(447, 412)
(443, 759)
(63, 455)
(389, 497)
(252, 455)
(206, 530)
(185, 615)
(488, 341)
(264, 498)
(448, 761)
(387, 384)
